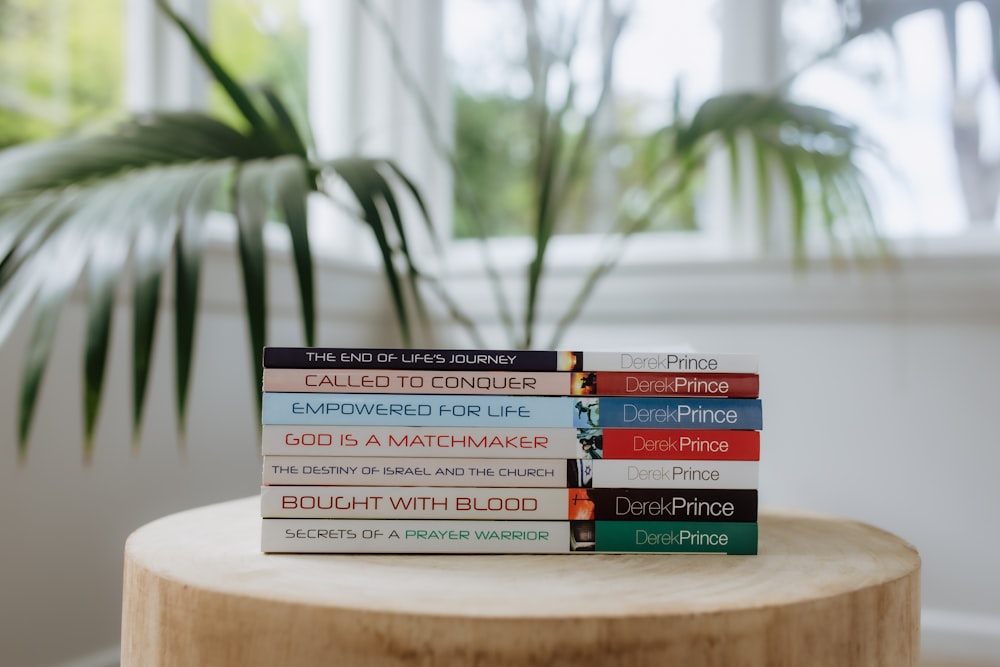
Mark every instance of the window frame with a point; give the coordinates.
(162, 73)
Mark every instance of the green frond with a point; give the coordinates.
(289, 137)
(159, 139)
(292, 189)
(380, 212)
(417, 198)
(251, 197)
(37, 281)
(237, 94)
(83, 206)
(144, 187)
(115, 226)
(188, 246)
(803, 149)
(159, 230)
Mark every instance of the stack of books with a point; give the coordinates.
(508, 451)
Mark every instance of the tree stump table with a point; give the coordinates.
(822, 591)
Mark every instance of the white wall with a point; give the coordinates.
(881, 392)
(880, 397)
(63, 524)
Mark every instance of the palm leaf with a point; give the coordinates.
(147, 187)
(290, 139)
(58, 265)
(737, 123)
(292, 191)
(250, 203)
(762, 166)
(187, 276)
(89, 183)
(24, 242)
(154, 241)
(804, 147)
(464, 195)
(382, 191)
(237, 94)
(160, 139)
(23, 239)
(115, 225)
(17, 224)
(362, 177)
(418, 199)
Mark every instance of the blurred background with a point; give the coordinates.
(871, 295)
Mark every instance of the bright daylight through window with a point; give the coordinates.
(507, 56)
(60, 66)
(919, 78)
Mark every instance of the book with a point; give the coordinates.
(553, 443)
(505, 537)
(413, 471)
(505, 360)
(495, 411)
(555, 383)
(409, 471)
(421, 502)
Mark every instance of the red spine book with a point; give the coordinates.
(681, 444)
(615, 383)
(556, 383)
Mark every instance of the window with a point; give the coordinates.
(919, 79)
(935, 112)
(60, 64)
(500, 73)
(262, 42)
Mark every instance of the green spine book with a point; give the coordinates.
(675, 537)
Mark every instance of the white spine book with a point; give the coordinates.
(427, 441)
(415, 502)
(670, 362)
(667, 474)
(407, 536)
(413, 471)
(478, 472)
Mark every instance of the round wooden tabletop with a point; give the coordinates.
(822, 591)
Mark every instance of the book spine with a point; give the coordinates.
(618, 383)
(420, 359)
(410, 471)
(511, 411)
(676, 474)
(632, 504)
(593, 383)
(411, 536)
(680, 444)
(505, 360)
(504, 537)
(426, 441)
(406, 471)
(668, 362)
(472, 442)
(665, 537)
(542, 504)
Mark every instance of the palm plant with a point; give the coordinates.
(81, 206)
(84, 204)
(805, 160)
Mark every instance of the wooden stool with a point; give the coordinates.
(823, 591)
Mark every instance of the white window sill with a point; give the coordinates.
(664, 278)
(676, 278)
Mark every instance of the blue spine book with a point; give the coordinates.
(507, 411)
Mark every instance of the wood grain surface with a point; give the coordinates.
(823, 591)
